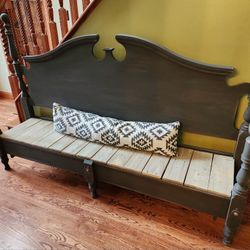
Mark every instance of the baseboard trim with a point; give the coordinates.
(6, 95)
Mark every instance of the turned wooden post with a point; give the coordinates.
(22, 28)
(13, 81)
(25, 100)
(44, 37)
(240, 190)
(63, 15)
(85, 4)
(73, 10)
(36, 49)
(2, 5)
(243, 134)
(10, 10)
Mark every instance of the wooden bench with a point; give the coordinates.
(150, 84)
(204, 171)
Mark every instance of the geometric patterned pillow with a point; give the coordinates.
(147, 136)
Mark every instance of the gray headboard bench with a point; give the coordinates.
(152, 84)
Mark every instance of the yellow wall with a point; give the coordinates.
(212, 31)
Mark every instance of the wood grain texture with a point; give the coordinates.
(104, 154)
(156, 165)
(222, 173)
(8, 112)
(178, 166)
(75, 147)
(120, 158)
(50, 139)
(62, 143)
(137, 161)
(48, 208)
(199, 170)
(6, 95)
(90, 150)
(19, 130)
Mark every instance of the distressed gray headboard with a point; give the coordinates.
(150, 84)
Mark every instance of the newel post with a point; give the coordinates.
(25, 99)
(243, 134)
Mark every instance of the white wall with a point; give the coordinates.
(4, 81)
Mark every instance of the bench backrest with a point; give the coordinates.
(150, 84)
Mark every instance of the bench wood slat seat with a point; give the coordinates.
(199, 170)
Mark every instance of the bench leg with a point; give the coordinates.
(4, 156)
(239, 195)
(88, 173)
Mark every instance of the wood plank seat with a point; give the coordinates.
(199, 170)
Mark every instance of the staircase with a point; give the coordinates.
(38, 26)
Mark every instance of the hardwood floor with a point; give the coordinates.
(47, 208)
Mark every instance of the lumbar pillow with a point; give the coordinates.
(155, 137)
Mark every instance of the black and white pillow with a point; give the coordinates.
(148, 136)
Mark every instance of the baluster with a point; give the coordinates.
(6, 49)
(9, 9)
(2, 5)
(18, 70)
(22, 28)
(12, 77)
(13, 81)
(85, 4)
(63, 19)
(44, 37)
(36, 49)
(53, 35)
(73, 10)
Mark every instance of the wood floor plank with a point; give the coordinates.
(137, 161)
(104, 154)
(62, 143)
(20, 128)
(222, 175)
(156, 165)
(120, 158)
(75, 147)
(199, 170)
(177, 168)
(90, 150)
